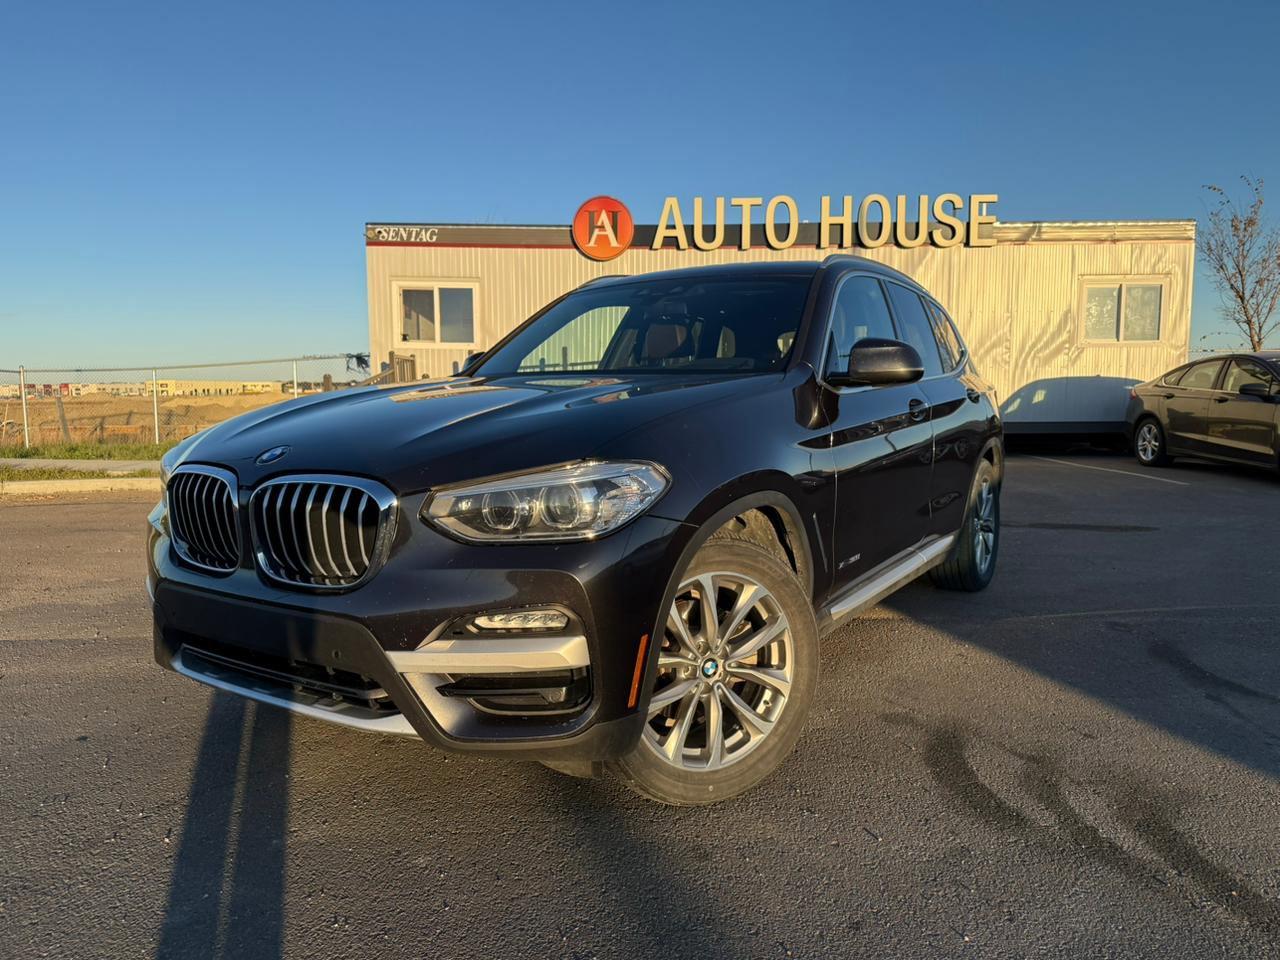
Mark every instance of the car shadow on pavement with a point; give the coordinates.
(628, 849)
(226, 890)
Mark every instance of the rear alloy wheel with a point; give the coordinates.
(971, 562)
(1148, 444)
(737, 666)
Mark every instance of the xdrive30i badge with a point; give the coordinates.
(272, 455)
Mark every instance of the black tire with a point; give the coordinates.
(972, 563)
(1149, 447)
(784, 607)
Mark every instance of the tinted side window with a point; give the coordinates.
(915, 327)
(1245, 371)
(860, 311)
(948, 340)
(1201, 376)
(1173, 376)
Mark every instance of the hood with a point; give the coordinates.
(420, 435)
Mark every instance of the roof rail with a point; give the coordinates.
(607, 276)
(875, 265)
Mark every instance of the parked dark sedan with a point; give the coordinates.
(1224, 407)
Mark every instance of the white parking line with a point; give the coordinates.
(1123, 473)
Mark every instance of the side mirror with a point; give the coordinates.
(1259, 390)
(875, 362)
(468, 363)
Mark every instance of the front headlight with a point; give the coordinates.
(576, 501)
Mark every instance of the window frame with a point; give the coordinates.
(899, 326)
(927, 300)
(1091, 281)
(955, 331)
(1236, 359)
(829, 322)
(398, 288)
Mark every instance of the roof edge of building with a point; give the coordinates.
(388, 233)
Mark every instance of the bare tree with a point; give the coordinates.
(1244, 254)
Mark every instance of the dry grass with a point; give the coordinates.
(95, 423)
(57, 473)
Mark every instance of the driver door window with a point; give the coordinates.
(1243, 371)
(916, 328)
(860, 311)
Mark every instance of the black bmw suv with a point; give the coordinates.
(612, 543)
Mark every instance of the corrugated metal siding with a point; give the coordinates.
(1017, 303)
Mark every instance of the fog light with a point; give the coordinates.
(522, 620)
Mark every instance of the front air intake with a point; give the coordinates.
(203, 507)
(323, 532)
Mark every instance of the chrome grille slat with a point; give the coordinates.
(364, 553)
(342, 529)
(321, 531)
(281, 492)
(324, 529)
(203, 520)
(200, 490)
(230, 534)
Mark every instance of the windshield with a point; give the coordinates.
(726, 326)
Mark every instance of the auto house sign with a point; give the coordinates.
(603, 228)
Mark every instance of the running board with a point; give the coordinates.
(916, 561)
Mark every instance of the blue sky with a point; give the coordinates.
(182, 182)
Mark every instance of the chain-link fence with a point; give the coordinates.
(44, 407)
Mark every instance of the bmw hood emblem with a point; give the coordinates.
(272, 455)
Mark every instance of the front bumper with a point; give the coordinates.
(378, 657)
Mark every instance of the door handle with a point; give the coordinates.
(1221, 399)
(917, 409)
(1169, 396)
(973, 394)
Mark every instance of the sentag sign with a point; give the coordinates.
(603, 228)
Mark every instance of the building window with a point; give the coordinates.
(1122, 312)
(438, 314)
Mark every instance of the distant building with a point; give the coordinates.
(1062, 317)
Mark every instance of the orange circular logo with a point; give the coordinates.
(603, 228)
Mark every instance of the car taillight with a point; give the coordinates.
(1133, 394)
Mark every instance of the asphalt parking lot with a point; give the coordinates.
(1083, 761)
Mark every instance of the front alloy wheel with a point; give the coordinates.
(735, 674)
(724, 672)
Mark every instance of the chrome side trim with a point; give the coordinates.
(917, 560)
(511, 653)
(264, 693)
